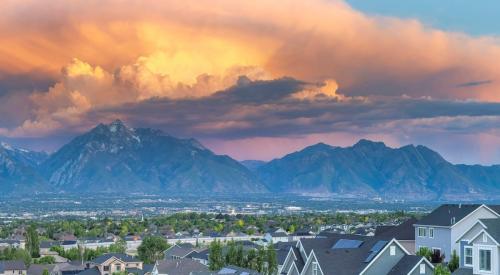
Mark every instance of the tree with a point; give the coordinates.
(45, 260)
(45, 272)
(441, 270)
(118, 247)
(454, 262)
(261, 260)
(231, 254)
(251, 260)
(32, 241)
(152, 249)
(215, 258)
(240, 256)
(272, 262)
(425, 252)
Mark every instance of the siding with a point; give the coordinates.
(428, 270)
(385, 262)
(441, 240)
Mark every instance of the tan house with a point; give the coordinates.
(109, 264)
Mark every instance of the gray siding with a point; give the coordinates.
(385, 262)
(428, 270)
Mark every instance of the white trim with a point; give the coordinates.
(485, 232)
(429, 233)
(477, 209)
(471, 256)
(465, 233)
(393, 241)
(425, 232)
(419, 262)
(290, 252)
(308, 262)
(489, 248)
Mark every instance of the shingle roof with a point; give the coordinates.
(179, 251)
(495, 208)
(12, 265)
(404, 231)
(405, 265)
(90, 271)
(344, 261)
(299, 262)
(203, 254)
(180, 267)
(231, 269)
(463, 271)
(37, 269)
(493, 228)
(446, 214)
(124, 257)
(49, 244)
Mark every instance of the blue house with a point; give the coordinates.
(441, 229)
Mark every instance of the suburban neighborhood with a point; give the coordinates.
(451, 239)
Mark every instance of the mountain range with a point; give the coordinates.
(118, 158)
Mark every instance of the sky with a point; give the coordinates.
(255, 79)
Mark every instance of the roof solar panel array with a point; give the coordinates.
(345, 243)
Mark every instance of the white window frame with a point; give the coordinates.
(424, 230)
(479, 259)
(431, 229)
(314, 268)
(422, 268)
(485, 238)
(471, 256)
(392, 250)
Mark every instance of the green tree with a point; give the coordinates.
(261, 260)
(441, 270)
(251, 260)
(231, 257)
(118, 247)
(240, 256)
(272, 262)
(454, 262)
(152, 248)
(45, 272)
(215, 258)
(425, 252)
(32, 241)
(45, 260)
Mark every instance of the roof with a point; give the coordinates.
(231, 269)
(299, 262)
(494, 207)
(90, 271)
(203, 254)
(463, 271)
(148, 267)
(493, 228)
(404, 231)
(37, 269)
(282, 250)
(448, 214)
(179, 251)
(124, 257)
(405, 265)
(49, 244)
(180, 267)
(12, 265)
(344, 260)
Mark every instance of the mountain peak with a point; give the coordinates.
(365, 143)
(6, 146)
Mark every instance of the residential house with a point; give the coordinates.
(180, 267)
(13, 268)
(179, 251)
(45, 246)
(108, 264)
(12, 243)
(236, 270)
(38, 269)
(404, 233)
(69, 244)
(94, 243)
(480, 248)
(343, 254)
(440, 229)
(278, 235)
(200, 256)
(133, 242)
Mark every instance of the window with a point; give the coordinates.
(315, 268)
(392, 250)
(484, 260)
(422, 268)
(422, 232)
(119, 267)
(468, 256)
(431, 232)
(436, 250)
(485, 238)
(106, 268)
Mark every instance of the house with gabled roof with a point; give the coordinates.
(440, 229)
(344, 254)
(110, 263)
(13, 268)
(480, 248)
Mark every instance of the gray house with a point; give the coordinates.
(480, 247)
(442, 227)
(340, 254)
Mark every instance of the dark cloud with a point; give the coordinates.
(474, 83)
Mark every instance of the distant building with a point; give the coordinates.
(180, 267)
(108, 264)
(403, 233)
(13, 268)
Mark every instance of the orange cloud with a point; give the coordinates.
(128, 51)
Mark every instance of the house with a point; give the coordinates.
(69, 268)
(344, 254)
(282, 249)
(69, 244)
(45, 246)
(200, 256)
(37, 269)
(403, 233)
(236, 270)
(180, 267)
(278, 235)
(13, 268)
(179, 251)
(480, 248)
(108, 264)
(133, 242)
(440, 229)
(12, 243)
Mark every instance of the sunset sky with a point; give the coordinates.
(255, 79)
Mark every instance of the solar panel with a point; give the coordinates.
(345, 243)
(375, 250)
